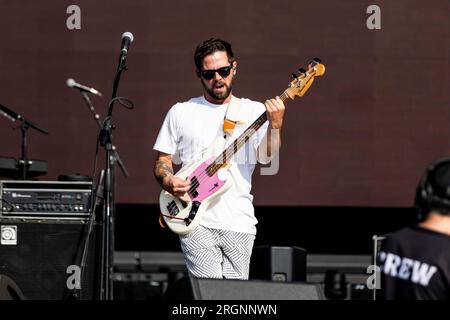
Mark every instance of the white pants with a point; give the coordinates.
(216, 253)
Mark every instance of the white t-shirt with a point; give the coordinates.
(190, 128)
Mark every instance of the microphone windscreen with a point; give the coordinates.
(128, 35)
(70, 83)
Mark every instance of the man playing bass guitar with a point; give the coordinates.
(221, 244)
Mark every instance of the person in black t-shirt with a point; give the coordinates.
(415, 261)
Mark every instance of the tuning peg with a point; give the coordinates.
(316, 61)
(301, 70)
(294, 75)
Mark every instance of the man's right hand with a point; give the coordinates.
(164, 174)
(177, 187)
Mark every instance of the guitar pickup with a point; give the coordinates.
(192, 213)
(194, 183)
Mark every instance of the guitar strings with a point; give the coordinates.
(242, 139)
(230, 150)
(212, 168)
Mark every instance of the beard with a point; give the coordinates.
(218, 95)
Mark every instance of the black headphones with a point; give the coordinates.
(433, 191)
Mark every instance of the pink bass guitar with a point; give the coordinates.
(206, 176)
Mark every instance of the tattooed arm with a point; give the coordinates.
(164, 175)
(163, 168)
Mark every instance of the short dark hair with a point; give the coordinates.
(210, 46)
(433, 191)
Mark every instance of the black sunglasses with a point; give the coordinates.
(223, 72)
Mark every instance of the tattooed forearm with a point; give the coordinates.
(162, 170)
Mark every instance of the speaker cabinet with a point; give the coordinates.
(282, 264)
(191, 288)
(9, 290)
(43, 257)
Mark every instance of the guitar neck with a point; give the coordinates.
(224, 158)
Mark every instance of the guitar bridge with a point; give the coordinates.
(192, 213)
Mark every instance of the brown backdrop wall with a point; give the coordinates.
(360, 137)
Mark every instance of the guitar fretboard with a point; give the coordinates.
(233, 148)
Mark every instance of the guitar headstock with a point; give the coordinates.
(304, 79)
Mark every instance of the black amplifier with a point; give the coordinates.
(45, 198)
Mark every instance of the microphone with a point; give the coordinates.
(127, 39)
(72, 84)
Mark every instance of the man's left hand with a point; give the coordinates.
(275, 112)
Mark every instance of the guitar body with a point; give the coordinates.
(184, 218)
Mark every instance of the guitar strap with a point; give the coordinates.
(232, 116)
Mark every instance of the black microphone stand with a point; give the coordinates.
(23, 162)
(99, 123)
(105, 138)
